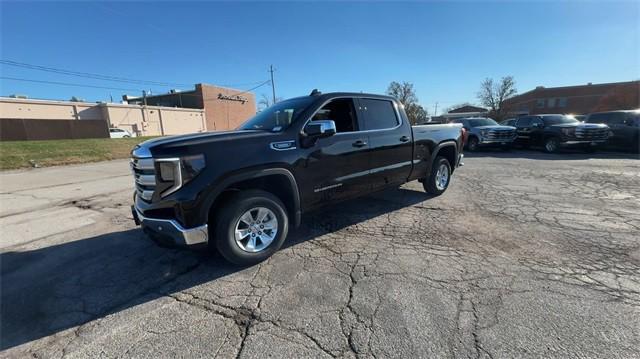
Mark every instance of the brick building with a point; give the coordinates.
(224, 108)
(582, 99)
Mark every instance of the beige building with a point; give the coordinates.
(20, 117)
(224, 108)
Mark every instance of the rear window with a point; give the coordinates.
(380, 114)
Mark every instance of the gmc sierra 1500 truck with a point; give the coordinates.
(239, 191)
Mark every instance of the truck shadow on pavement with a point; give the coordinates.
(47, 290)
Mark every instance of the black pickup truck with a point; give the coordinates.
(554, 132)
(239, 191)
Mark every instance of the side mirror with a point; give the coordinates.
(320, 129)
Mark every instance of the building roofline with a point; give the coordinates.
(542, 88)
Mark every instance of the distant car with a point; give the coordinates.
(485, 132)
(624, 125)
(119, 133)
(553, 132)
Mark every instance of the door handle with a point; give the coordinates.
(404, 139)
(359, 143)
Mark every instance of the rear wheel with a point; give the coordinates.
(439, 178)
(551, 145)
(251, 227)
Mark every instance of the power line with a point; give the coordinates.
(96, 76)
(114, 88)
(87, 74)
(67, 84)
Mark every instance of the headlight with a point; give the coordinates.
(484, 133)
(178, 171)
(568, 131)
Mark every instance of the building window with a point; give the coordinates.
(551, 102)
(540, 103)
(562, 102)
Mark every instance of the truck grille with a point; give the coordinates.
(592, 134)
(144, 173)
(498, 135)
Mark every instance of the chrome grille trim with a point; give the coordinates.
(144, 174)
(501, 134)
(592, 133)
(146, 180)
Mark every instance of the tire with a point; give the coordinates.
(473, 144)
(435, 184)
(125, 136)
(250, 205)
(551, 144)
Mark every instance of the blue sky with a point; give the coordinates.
(445, 49)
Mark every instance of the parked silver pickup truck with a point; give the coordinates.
(485, 132)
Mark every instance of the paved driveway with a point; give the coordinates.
(526, 255)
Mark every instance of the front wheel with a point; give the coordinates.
(473, 144)
(551, 145)
(251, 227)
(439, 178)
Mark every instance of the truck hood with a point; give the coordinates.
(496, 127)
(161, 144)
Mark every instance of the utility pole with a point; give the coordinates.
(273, 85)
(435, 112)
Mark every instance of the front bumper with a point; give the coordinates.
(501, 142)
(170, 231)
(582, 143)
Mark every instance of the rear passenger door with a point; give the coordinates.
(390, 142)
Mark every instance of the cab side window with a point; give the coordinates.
(342, 112)
(524, 122)
(380, 114)
(536, 122)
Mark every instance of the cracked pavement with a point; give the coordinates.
(526, 255)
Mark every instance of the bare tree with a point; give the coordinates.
(493, 95)
(265, 102)
(405, 93)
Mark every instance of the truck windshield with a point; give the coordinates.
(559, 120)
(277, 117)
(482, 122)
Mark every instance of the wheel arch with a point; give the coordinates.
(448, 150)
(277, 181)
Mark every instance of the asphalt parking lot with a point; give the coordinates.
(526, 255)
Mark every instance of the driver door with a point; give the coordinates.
(337, 167)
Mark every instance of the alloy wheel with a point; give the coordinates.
(442, 177)
(256, 229)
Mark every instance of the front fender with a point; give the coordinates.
(213, 194)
